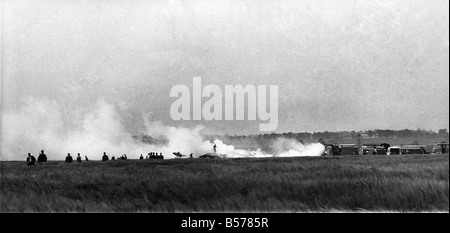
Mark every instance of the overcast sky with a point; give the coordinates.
(339, 64)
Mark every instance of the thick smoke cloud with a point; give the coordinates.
(43, 124)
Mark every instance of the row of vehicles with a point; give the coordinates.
(384, 149)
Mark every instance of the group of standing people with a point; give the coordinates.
(106, 158)
(31, 160)
(152, 155)
(69, 158)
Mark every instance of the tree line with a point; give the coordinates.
(377, 133)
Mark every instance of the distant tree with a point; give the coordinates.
(443, 133)
(321, 141)
(290, 135)
(300, 137)
(386, 133)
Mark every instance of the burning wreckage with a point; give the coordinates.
(163, 141)
(205, 156)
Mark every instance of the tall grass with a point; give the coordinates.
(375, 183)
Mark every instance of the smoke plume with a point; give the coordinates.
(41, 124)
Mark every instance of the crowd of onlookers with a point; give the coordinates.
(31, 160)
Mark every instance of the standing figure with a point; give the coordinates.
(79, 158)
(86, 158)
(359, 146)
(42, 157)
(69, 158)
(105, 157)
(215, 149)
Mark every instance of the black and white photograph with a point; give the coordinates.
(224, 106)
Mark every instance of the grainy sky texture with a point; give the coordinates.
(339, 64)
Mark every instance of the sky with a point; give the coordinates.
(339, 64)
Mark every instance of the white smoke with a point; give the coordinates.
(180, 139)
(41, 124)
(282, 148)
(290, 147)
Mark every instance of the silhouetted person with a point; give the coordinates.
(113, 158)
(42, 157)
(31, 159)
(79, 158)
(125, 157)
(105, 157)
(191, 156)
(86, 158)
(142, 157)
(215, 149)
(69, 158)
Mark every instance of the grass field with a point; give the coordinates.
(307, 184)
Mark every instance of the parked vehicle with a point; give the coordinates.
(394, 150)
(373, 150)
(381, 150)
(406, 149)
(416, 151)
(348, 149)
(440, 148)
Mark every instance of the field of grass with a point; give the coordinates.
(307, 184)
